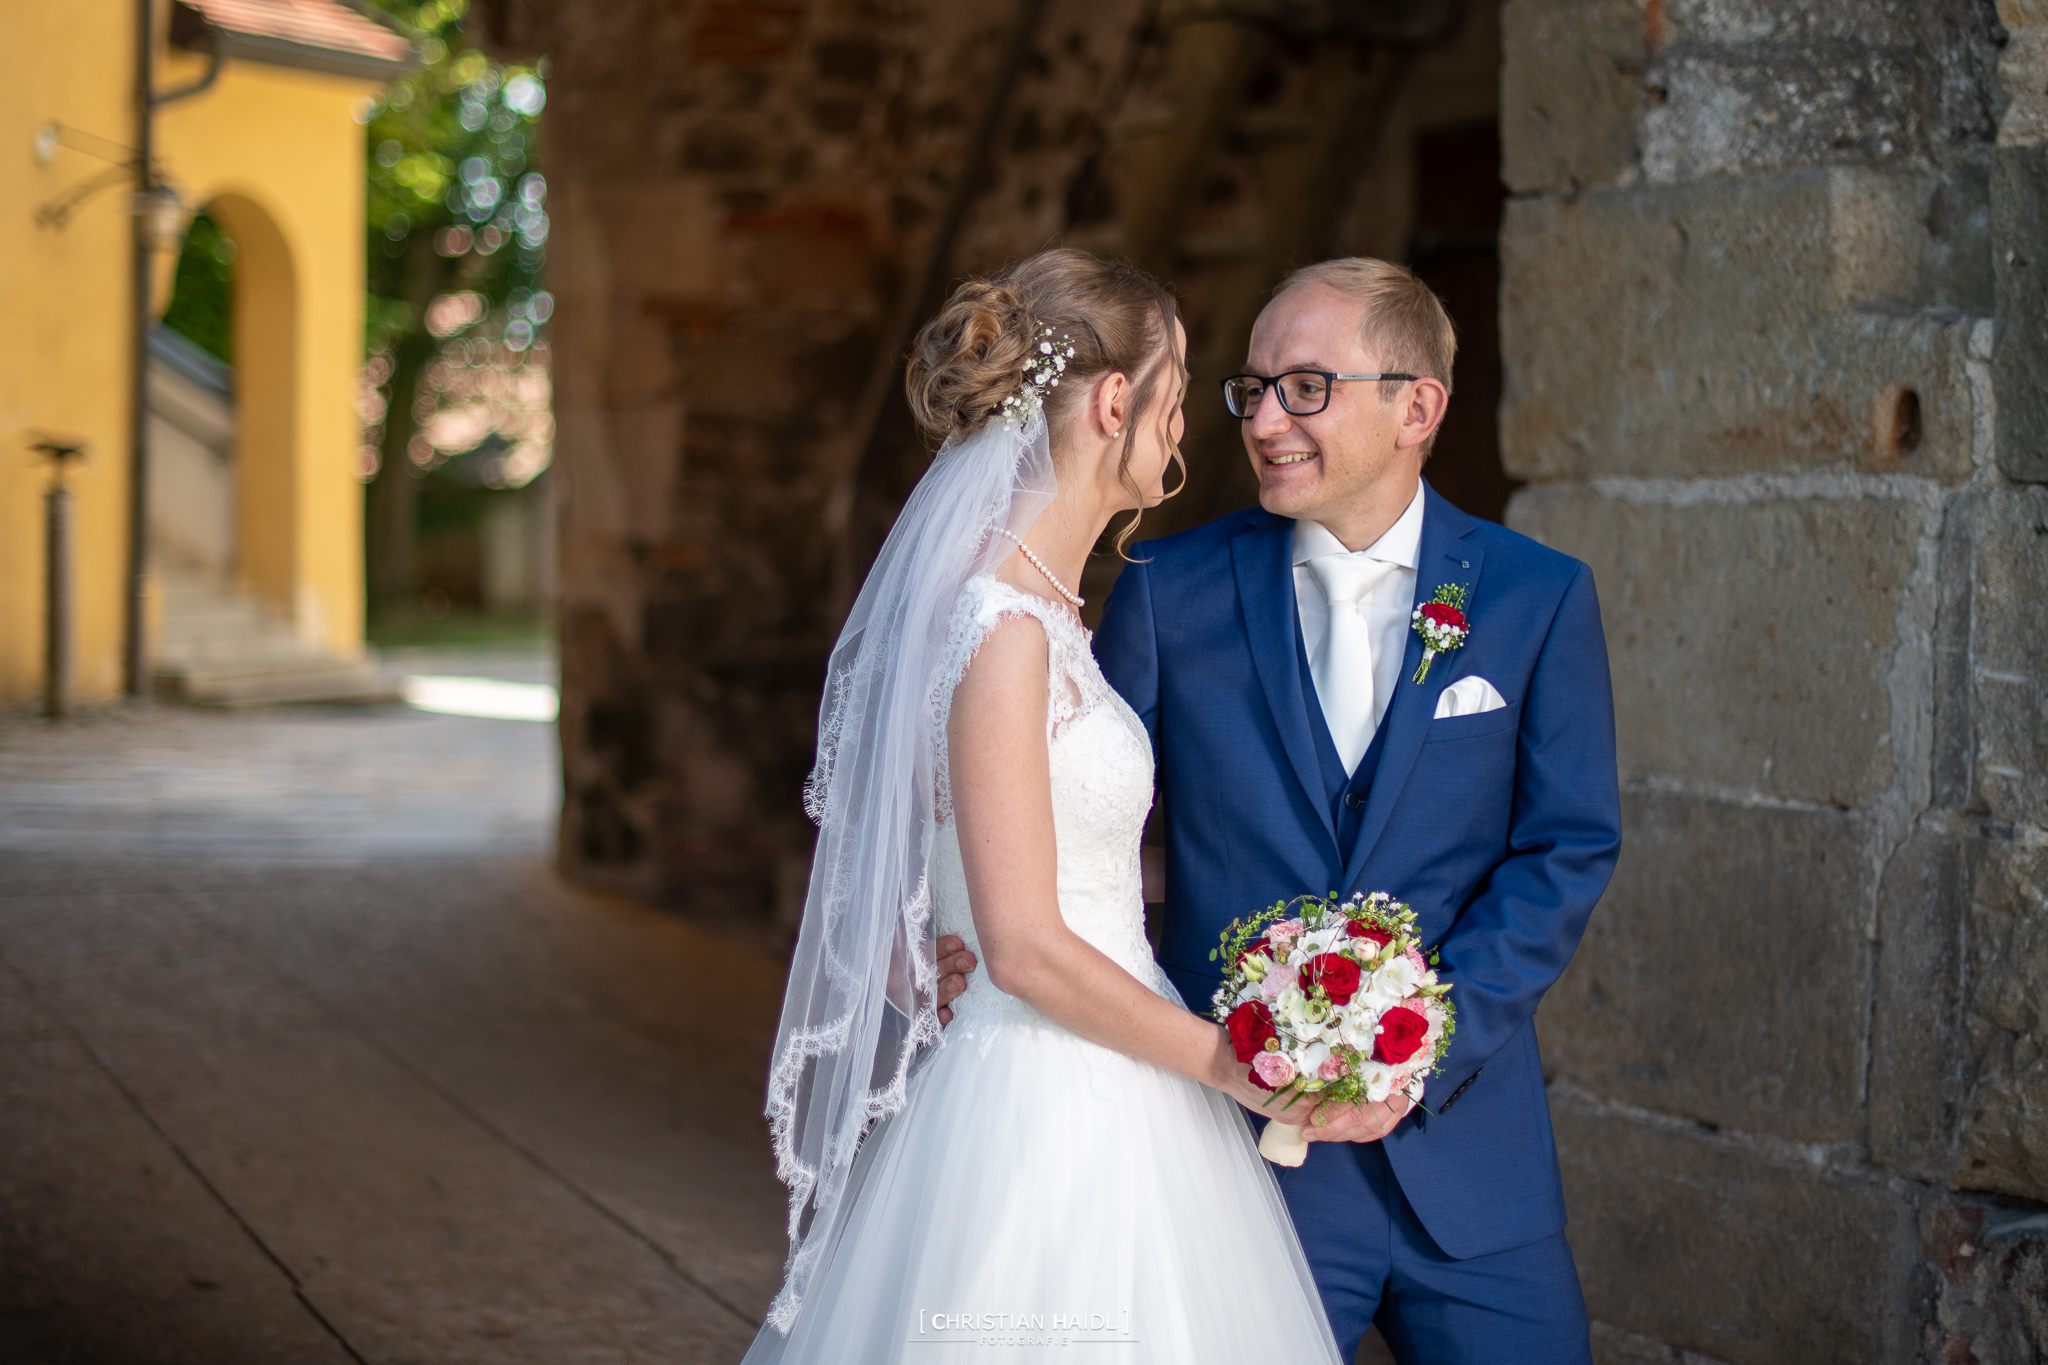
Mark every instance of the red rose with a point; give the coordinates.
(1365, 928)
(1338, 976)
(1249, 1026)
(1443, 614)
(1401, 1032)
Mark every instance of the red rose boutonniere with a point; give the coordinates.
(1441, 623)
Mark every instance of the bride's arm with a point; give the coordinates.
(1002, 802)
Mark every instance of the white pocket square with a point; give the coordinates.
(1468, 697)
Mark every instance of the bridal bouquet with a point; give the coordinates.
(1330, 999)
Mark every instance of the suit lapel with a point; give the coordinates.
(1262, 555)
(1443, 557)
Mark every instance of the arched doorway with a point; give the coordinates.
(192, 495)
(225, 449)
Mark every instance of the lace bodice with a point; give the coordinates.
(1101, 762)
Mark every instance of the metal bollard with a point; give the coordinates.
(57, 574)
(57, 653)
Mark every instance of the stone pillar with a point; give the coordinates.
(740, 192)
(1747, 314)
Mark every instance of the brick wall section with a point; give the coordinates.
(1759, 325)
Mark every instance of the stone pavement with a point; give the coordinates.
(306, 1056)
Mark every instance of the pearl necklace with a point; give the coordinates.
(1039, 564)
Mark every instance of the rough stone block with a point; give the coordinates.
(2023, 72)
(1917, 1056)
(1723, 975)
(1761, 323)
(1694, 1240)
(1738, 88)
(2009, 627)
(1618, 1346)
(1773, 23)
(2019, 364)
(1749, 638)
(2018, 14)
(2005, 1150)
(1571, 88)
(1991, 1300)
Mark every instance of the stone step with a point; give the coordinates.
(310, 679)
(195, 614)
(215, 655)
(221, 648)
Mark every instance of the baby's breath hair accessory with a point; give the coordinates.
(1043, 366)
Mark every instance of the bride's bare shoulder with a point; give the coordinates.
(1011, 654)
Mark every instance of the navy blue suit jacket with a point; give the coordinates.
(1500, 829)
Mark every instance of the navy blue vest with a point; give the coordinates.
(1346, 793)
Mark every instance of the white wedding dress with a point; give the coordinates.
(1038, 1191)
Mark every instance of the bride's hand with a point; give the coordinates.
(1233, 1078)
(954, 962)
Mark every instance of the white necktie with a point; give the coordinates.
(1342, 668)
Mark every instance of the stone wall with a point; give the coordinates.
(1774, 341)
(754, 206)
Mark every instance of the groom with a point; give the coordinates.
(1271, 655)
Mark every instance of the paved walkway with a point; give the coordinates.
(306, 1056)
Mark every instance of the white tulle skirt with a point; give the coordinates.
(1038, 1192)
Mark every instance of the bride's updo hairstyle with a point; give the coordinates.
(971, 357)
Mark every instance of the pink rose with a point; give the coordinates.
(1279, 979)
(1273, 1068)
(1286, 931)
(1332, 1067)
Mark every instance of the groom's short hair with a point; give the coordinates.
(1405, 324)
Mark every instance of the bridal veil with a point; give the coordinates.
(861, 1001)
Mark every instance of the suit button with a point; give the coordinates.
(1353, 801)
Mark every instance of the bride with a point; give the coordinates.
(1066, 1164)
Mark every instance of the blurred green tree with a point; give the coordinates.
(457, 235)
(203, 290)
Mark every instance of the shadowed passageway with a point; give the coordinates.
(305, 1055)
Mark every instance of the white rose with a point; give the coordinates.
(1398, 978)
(1379, 1080)
(1290, 1004)
(1361, 1024)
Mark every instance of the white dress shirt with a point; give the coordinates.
(1386, 611)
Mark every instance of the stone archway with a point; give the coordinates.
(266, 327)
(234, 509)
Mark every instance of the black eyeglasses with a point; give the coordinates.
(1303, 393)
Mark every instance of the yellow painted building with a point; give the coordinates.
(273, 151)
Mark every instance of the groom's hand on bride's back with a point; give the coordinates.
(955, 962)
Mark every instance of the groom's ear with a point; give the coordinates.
(1425, 404)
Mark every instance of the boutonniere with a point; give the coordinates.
(1441, 623)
